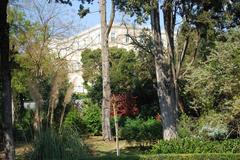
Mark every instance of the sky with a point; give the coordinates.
(67, 14)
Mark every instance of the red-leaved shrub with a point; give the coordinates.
(125, 105)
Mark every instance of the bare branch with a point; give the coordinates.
(136, 42)
(182, 55)
(193, 58)
(112, 16)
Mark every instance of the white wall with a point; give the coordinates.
(72, 47)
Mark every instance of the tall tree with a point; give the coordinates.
(164, 61)
(168, 61)
(6, 82)
(106, 100)
(165, 75)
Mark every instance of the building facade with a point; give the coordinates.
(71, 48)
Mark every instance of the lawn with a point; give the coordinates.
(102, 150)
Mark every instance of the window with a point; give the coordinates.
(127, 39)
(113, 37)
(76, 66)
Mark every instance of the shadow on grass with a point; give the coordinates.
(142, 153)
(211, 156)
(128, 155)
(131, 153)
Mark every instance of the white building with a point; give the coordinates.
(72, 47)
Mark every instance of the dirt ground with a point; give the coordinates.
(21, 149)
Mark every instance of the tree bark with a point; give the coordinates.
(165, 81)
(105, 30)
(169, 16)
(6, 83)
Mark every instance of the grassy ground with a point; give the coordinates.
(98, 147)
(102, 150)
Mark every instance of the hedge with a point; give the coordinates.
(189, 145)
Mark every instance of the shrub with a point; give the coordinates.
(216, 156)
(91, 115)
(141, 131)
(50, 145)
(23, 130)
(213, 126)
(214, 83)
(74, 121)
(186, 127)
(220, 156)
(125, 105)
(189, 145)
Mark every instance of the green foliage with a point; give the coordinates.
(140, 9)
(210, 126)
(130, 72)
(95, 91)
(74, 121)
(49, 145)
(141, 131)
(215, 82)
(123, 68)
(213, 125)
(147, 110)
(186, 126)
(212, 89)
(234, 123)
(91, 116)
(87, 119)
(23, 129)
(205, 156)
(190, 145)
(91, 59)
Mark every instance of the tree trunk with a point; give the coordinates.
(6, 82)
(164, 76)
(106, 129)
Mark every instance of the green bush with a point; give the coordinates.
(213, 125)
(210, 126)
(211, 156)
(23, 129)
(74, 121)
(189, 145)
(221, 156)
(50, 145)
(214, 82)
(186, 127)
(91, 116)
(141, 131)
